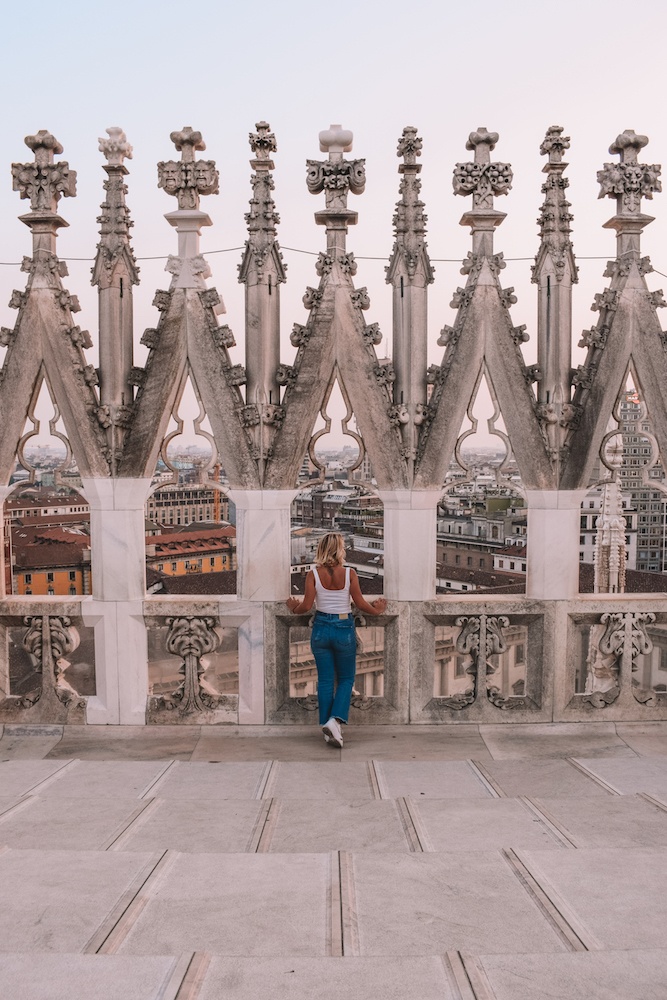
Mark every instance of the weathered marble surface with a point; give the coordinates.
(296, 877)
(619, 975)
(319, 979)
(237, 904)
(426, 904)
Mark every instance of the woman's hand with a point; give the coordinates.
(293, 603)
(380, 605)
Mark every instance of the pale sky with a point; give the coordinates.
(76, 68)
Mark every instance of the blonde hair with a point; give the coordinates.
(330, 550)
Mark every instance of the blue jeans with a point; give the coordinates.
(334, 645)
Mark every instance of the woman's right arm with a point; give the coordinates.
(376, 608)
(298, 606)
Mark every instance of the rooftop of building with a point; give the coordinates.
(497, 862)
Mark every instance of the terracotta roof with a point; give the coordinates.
(200, 583)
(51, 556)
(518, 551)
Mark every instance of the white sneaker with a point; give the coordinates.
(332, 733)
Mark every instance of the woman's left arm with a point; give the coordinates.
(298, 606)
(376, 608)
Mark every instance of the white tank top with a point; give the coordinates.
(332, 602)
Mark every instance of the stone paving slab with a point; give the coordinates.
(314, 826)
(59, 898)
(127, 742)
(82, 977)
(83, 778)
(542, 777)
(296, 780)
(203, 780)
(430, 779)
(649, 739)
(26, 747)
(453, 743)
(613, 821)
(66, 824)
(619, 895)
(18, 777)
(620, 975)
(560, 739)
(327, 979)
(192, 827)
(309, 746)
(472, 824)
(428, 904)
(239, 904)
(643, 774)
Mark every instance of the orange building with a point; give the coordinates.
(50, 561)
(204, 550)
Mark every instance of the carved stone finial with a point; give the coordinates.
(555, 218)
(336, 139)
(481, 178)
(409, 146)
(188, 179)
(482, 142)
(262, 218)
(628, 144)
(409, 218)
(44, 181)
(555, 143)
(187, 141)
(43, 140)
(336, 177)
(115, 222)
(263, 141)
(116, 148)
(629, 181)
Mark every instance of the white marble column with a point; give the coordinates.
(118, 546)
(409, 543)
(263, 544)
(4, 493)
(553, 543)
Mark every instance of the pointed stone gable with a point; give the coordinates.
(483, 335)
(628, 329)
(45, 340)
(336, 342)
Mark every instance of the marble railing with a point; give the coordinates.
(220, 661)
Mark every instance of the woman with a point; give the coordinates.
(330, 586)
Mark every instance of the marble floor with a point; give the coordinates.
(514, 862)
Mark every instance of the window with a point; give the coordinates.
(511, 565)
(457, 560)
(27, 577)
(519, 653)
(72, 591)
(481, 563)
(212, 561)
(50, 591)
(72, 574)
(49, 577)
(28, 590)
(174, 567)
(583, 524)
(469, 560)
